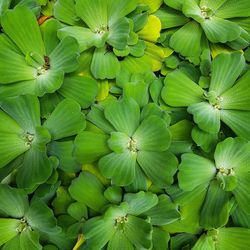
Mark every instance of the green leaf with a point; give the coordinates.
(204, 243)
(137, 90)
(119, 8)
(140, 202)
(21, 26)
(170, 18)
(64, 56)
(78, 210)
(63, 151)
(232, 153)
(239, 238)
(124, 115)
(8, 229)
(86, 188)
(64, 10)
(120, 168)
(25, 110)
(238, 121)
(206, 116)
(241, 193)
(36, 168)
(152, 138)
(117, 238)
(160, 239)
(13, 67)
(216, 208)
(104, 64)
(232, 9)
(191, 9)
(118, 142)
(180, 90)
(214, 5)
(14, 202)
(238, 96)
(84, 36)
(175, 4)
(195, 170)
(185, 44)
(66, 120)
(119, 33)
(220, 30)
(48, 82)
(113, 194)
(40, 217)
(79, 88)
(30, 240)
(159, 167)
(90, 146)
(139, 232)
(226, 68)
(98, 232)
(93, 13)
(165, 212)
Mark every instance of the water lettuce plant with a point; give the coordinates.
(124, 124)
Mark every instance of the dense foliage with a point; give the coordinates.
(124, 124)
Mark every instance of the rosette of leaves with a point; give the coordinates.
(31, 61)
(23, 224)
(224, 177)
(24, 137)
(196, 22)
(224, 238)
(99, 24)
(133, 218)
(128, 142)
(227, 98)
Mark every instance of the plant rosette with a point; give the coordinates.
(125, 142)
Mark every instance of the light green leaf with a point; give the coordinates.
(21, 26)
(216, 208)
(118, 142)
(187, 41)
(226, 68)
(119, 33)
(117, 238)
(30, 240)
(25, 110)
(36, 168)
(98, 232)
(93, 13)
(204, 243)
(84, 36)
(239, 238)
(165, 212)
(214, 5)
(13, 67)
(124, 115)
(79, 88)
(86, 188)
(191, 9)
(238, 97)
(40, 217)
(232, 9)
(159, 167)
(104, 64)
(180, 90)
(232, 153)
(120, 168)
(8, 229)
(220, 30)
(64, 10)
(195, 170)
(14, 202)
(64, 56)
(66, 120)
(140, 202)
(206, 116)
(238, 121)
(152, 138)
(139, 232)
